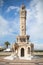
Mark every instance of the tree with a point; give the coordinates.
(7, 44)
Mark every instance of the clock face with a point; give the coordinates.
(22, 13)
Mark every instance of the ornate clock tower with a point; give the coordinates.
(23, 38)
(22, 21)
(25, 48)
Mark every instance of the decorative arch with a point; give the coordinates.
(22, 52)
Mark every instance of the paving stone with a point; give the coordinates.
(21, 62)
(40, 63)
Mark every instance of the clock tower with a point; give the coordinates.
(23, 20)
(23, 38)
(25, 48)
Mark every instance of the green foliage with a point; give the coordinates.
(38, 50)
(7, 44)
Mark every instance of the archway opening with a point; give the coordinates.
(22, 52)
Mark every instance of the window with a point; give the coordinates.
(22, 39)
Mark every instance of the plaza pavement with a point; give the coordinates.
(21, 62)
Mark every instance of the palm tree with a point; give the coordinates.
(7, 44)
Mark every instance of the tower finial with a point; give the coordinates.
(23, 6)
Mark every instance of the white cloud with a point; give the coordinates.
(7, 28)
(3, 26)
(38, 46)
(35, 20)
(12, 8)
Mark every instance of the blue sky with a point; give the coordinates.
(10, 23)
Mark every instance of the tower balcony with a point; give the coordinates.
(23, 39)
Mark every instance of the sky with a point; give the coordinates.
(10, 21)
